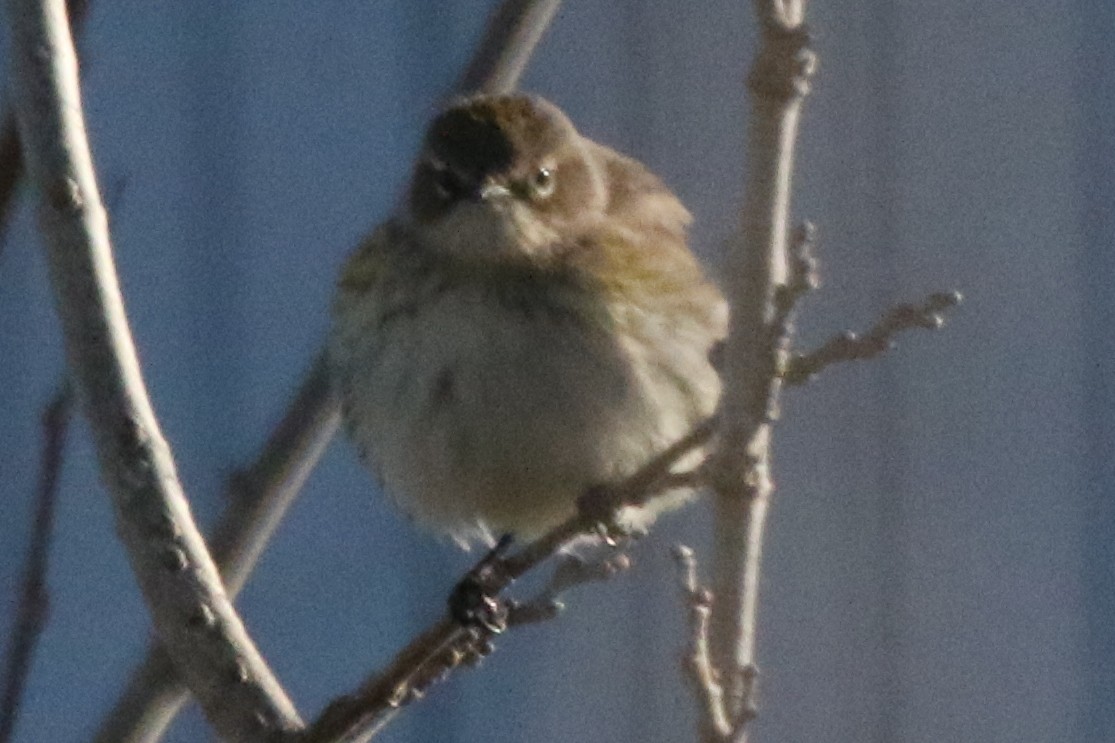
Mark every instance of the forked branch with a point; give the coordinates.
(849, 346)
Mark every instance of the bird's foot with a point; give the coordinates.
(475, 601)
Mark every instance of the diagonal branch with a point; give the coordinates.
(259, 496)
(194, 618)
(11, 170)
(513, 32)
(257, 499)
(443, 646)
(34, 604)
(849, 346)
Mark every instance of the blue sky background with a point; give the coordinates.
(940, 562)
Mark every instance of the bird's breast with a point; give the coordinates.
(491, 406)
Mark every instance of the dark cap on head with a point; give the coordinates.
(488, 135)
(523, 144)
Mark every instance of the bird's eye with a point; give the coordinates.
(543, 183)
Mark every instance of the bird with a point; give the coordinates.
(530, 324)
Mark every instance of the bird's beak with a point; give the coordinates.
(491, 191)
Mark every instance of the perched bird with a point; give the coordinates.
(531, 325)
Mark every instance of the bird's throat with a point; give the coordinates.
(485, 231)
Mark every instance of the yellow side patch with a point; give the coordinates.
(365, 267)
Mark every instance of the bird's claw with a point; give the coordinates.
(472, 605)
(475, 601)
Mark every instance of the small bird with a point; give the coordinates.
(531, 325)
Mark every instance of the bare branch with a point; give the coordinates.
(363, 713)
(257, 499)
(754, 354)
(849, 346)
(34, 604)
(512, 34)
(11, 170)
(11, 153)
(572, 570)
(435, 652)
(692, 479)
(697, 662)
(259, 496)
(658, 475)
(180, 583)
(148, 704)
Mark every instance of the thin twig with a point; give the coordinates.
(260, 495)
(697, 661)
(433, 653)
(572, 570)
(180, 583)
(35, 601)
(513, 32)
(34, 604)
(363, 713)
(848, 346)
(801, 279)
(11, 171)
(754, 355)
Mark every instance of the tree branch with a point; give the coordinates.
(34, 604)
(11, 153)
(571, 570)
(697, 662)
(259, 496)
(439, 649)
(849, 346)
(11, 171)
(180, 583)
(256, 501)
(753, 357)
(513, 32)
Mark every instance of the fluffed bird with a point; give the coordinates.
(532, 324)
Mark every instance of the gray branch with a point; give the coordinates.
(256, 501)
(193, 616)
(34, 601)
(849, 346)
(513, 32)
(11, 153)
(260, 495)
(697, 665)
(754, 354)
(445, 645)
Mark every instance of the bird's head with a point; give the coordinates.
(504, 177)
